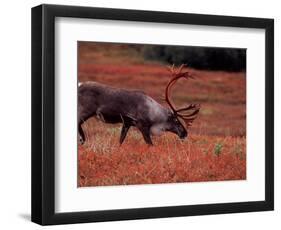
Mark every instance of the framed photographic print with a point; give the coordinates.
(141, 114)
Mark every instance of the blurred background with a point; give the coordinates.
(203, 58)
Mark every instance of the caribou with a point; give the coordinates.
(134, 108)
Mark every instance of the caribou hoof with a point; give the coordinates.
(81, 141)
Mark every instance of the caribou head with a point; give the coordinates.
(179, 119)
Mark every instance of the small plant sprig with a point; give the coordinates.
(218, 149)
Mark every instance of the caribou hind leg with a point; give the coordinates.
(81, 133)
(81, 119)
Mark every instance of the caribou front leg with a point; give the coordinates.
(146, 135)
(124, 131)
(125, 128)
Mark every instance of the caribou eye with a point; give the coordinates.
(176, 121)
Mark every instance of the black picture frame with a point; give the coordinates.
(43, 114)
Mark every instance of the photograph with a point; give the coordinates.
(153, 114)
(141, 114)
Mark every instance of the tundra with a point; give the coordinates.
(135, 108)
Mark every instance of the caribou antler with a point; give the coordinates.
(181, 112)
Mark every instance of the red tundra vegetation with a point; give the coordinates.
(215, 149)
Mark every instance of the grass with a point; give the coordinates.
(102, 161)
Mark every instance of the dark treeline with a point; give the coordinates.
(227, 59)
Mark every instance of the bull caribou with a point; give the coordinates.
(135, 108)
